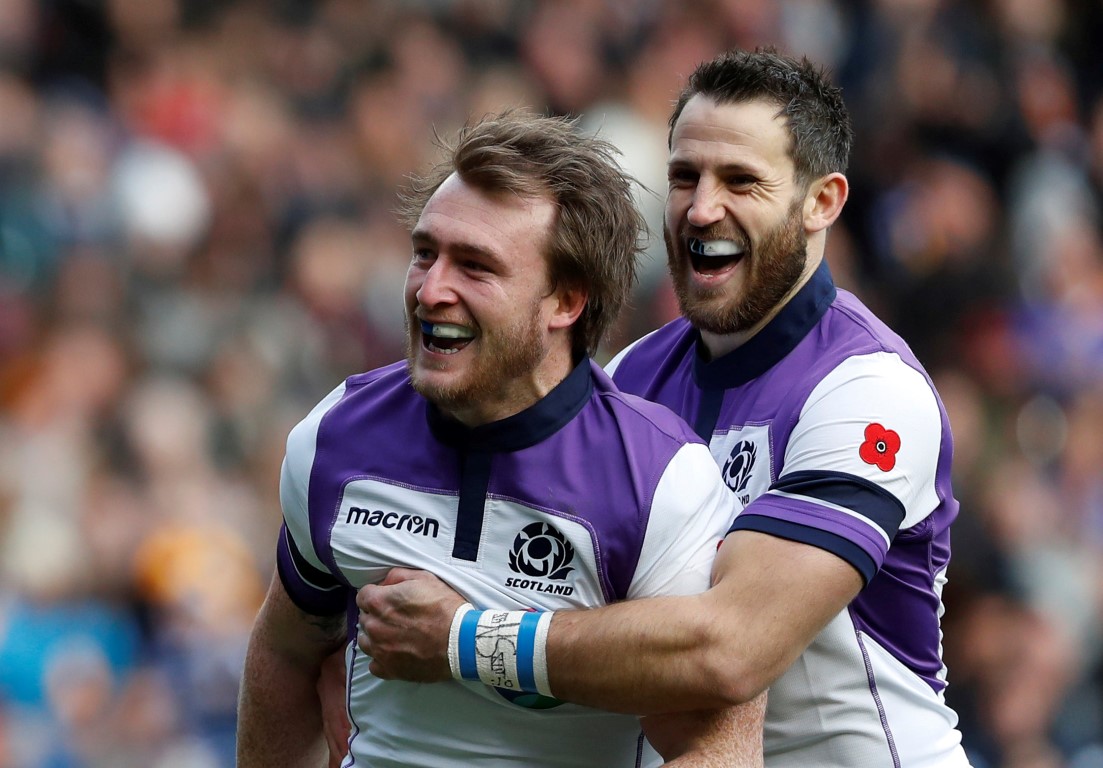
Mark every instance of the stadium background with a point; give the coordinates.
(196, 243)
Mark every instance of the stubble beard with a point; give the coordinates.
(504, 358)
(775, 265)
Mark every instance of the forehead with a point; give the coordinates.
(495, 222)
(748, 132)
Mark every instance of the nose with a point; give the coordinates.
(707, 205)
(437, 285)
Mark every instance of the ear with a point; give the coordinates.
(569, 301)
(824, 202)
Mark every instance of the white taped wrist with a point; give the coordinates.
(454, 639)
(506, 649)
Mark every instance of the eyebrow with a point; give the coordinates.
(731, 167)
(469, 250)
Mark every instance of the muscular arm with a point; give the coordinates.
(279, 714)
(769, 599)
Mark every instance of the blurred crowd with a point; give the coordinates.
(197, 243)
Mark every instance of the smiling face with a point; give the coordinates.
(734, 225)
(487, 334)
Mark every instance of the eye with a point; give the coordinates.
(682, 177)
(741, 180)
(422, 255)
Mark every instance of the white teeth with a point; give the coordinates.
(448, 331)
(714, 247)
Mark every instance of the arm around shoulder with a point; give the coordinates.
(769, 599)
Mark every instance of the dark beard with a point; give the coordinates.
(776, 263)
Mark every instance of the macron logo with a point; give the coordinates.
(425, 526)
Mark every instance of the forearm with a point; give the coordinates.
(650, 656)
(669, 654)
(720, 648)
(279, 714)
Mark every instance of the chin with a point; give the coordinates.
(711, 298)
(437, 390)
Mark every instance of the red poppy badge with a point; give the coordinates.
(880, 447)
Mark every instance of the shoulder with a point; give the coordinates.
(861, 360)
(649, 351)
(388, 377)
(849, 350)
(852, 328)
(638, 414)
(375, 390)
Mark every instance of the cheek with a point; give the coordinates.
(672, 215)
(410, 291)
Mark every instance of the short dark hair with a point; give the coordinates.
(814, 110)
(598, 232)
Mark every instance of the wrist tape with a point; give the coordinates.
(506, 649)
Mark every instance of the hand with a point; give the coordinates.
(404, 623)
(335, 719)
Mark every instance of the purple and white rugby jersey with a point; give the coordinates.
(588, 497)
(829, 432)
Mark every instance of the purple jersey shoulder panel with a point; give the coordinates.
(600, 468)
(659, 368)
(370, 433)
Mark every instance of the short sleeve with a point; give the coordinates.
(690, 514)
(308, 580)
(860, 464)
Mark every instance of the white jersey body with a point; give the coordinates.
(586, 498)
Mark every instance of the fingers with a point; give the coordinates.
(377, 598)
(375, 666)
(363, 635)
(398, 575)
(404, 590)
(377, 669)
(363, 597)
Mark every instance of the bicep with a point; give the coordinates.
(279, 714)
(289, 631)
(780, 593)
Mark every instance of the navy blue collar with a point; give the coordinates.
(521, 430)
(777, 339)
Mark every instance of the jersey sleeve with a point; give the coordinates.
(860, 464)
(308, 580)
(690, 515)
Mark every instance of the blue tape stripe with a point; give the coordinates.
(469, 626)
(526, 651)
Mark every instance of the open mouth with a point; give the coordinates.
(445, 338)
(714, 256)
